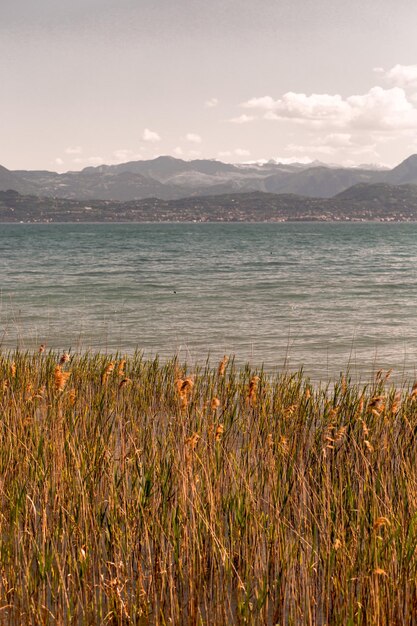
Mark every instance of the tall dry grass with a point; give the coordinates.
(136, 492)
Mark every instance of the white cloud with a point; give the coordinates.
(73, 150)
(194, 153)
(59, 161)
(383, 109)
(193, 138)
(242, 119)
(150, 135)
(223, 154)
(178, 151)
(242, 152)
(211, 103)
(265, 103)
(402, 75)
(377, 110)
(300, 106)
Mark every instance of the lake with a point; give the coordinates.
(322, 295)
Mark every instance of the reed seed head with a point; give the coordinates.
(215, 403)
(222, 365)
(106, 373)
(65, 358)
(219, 432)
(381, 521)
(61, 378)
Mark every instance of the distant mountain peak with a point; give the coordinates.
(405, 172)
(168, 177)
(166, 158)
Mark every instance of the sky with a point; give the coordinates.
(85, 82)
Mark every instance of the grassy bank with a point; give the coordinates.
(142, 493)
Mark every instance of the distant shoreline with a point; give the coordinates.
(360, 203)
(200, 222)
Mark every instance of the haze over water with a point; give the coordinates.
(320, 295)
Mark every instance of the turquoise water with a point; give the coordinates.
(315, 294)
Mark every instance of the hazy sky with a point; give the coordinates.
(91, 81)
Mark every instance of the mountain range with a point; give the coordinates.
(361, 202)
(167, 178)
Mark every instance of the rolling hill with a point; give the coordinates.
(378, 201)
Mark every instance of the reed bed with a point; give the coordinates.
(140, 492)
